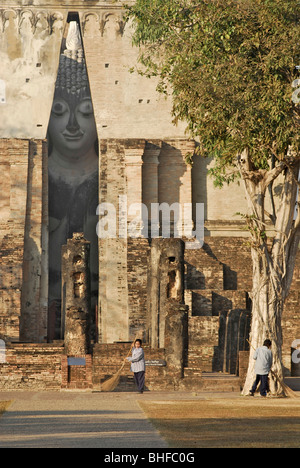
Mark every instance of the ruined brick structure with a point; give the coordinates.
(190, 306)
(76, 303)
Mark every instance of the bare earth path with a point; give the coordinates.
(81, 420)
(153, 420)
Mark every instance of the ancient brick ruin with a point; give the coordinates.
(72, 302)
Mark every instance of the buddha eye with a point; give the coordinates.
(86, 108)
(59, 108)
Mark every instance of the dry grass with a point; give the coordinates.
(3, 406)
(234, 423)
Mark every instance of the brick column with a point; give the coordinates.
(76, 272)
(113, 281)
(175, 180)
(134, 150)
(150, 176)
(186, 147)
(13, 189)
(165, 286)
(176, 341)
(34, 317)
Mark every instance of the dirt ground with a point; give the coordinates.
(234, 423)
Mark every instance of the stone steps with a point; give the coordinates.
(196, 380)
(218, 382)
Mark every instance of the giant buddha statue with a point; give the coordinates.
(73, 166)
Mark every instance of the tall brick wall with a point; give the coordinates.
(13, 193)
(113, 307)
(23, 240)
(34, 317)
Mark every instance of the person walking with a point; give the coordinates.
(138, 365)
(264, 360)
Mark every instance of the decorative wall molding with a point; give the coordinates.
(34, 17)
(50, 17)
(102, 17)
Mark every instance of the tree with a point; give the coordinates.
(229, 66)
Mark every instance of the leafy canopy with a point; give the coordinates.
(229, 65)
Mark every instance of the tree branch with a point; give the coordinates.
(271, 175)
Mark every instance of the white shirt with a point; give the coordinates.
(264, 360)
(137, 360)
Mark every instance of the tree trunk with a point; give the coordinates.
(266, 324)
(273, 265)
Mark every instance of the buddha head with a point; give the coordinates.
(72, 129)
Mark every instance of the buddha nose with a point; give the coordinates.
(73, 125)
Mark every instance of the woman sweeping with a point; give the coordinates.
(138, 365)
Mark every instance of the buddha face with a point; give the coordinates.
(72, 126)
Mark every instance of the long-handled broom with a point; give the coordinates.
(110, 384)
(287, 390)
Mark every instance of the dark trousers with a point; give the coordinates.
(140, 380)
(264, 384)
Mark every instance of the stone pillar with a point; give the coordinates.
(186, 147)
(175, 181)
(113, 283)
(23, 240)
(13, 188)
(176, 340)
(76, 273)
(134, 150)
(150, 178)
(34, 316)
(166, 285)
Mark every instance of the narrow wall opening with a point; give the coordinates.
(72, 170)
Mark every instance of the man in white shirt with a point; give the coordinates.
(264, 360)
